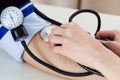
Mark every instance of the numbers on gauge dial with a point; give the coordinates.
(11, 17)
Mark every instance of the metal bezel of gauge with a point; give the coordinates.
(12, 18)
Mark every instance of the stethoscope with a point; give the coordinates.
(19, 34)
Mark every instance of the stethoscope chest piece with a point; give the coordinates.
(44, 33)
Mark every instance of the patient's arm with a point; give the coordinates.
(43, 50)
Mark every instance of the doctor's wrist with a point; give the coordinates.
(104, 59)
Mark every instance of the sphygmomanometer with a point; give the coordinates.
(19, 23)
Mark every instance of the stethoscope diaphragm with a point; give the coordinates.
(45, 32)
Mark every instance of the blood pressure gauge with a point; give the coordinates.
(11, 17)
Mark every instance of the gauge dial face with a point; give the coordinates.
(11, 17)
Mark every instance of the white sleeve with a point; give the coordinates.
(33, 24)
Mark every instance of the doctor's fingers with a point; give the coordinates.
(58, 44)
(56, 40)
(58, 31)
(64, 32)
(70, 25)
(113, 46)
(112, 35)
(58, 49)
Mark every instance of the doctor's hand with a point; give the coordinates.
(111, 39)
(77, 44)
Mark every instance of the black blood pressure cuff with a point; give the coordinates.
(32, 23)
(6, 3)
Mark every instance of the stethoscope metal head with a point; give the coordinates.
(45, 32)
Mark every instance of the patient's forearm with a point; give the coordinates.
(43, 50)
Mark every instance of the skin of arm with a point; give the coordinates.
(111, 39)
(109, 65)
(79, 46)
(43, 50)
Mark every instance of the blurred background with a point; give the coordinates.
(104, 6)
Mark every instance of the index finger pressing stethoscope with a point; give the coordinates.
(19, 34)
